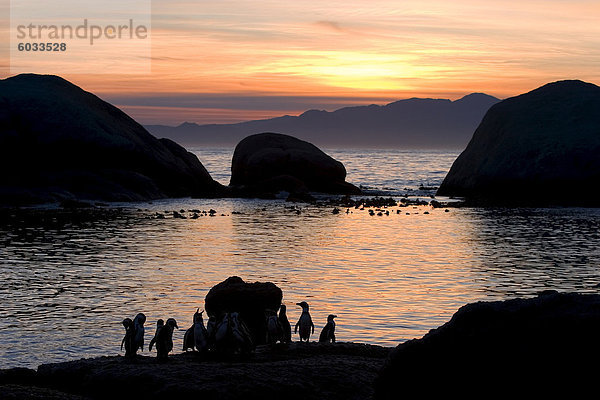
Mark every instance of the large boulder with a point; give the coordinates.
(58, 141)
(534, 345)
(268, 163)
(539, 148)
(251, 300)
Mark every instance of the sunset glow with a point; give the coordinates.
(325, 55)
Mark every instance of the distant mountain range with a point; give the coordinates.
(410, 123)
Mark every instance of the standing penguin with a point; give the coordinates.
(305, 322)
(211, 328)
(138, 326)
(274, 331)
(164, 340)
(126, 323)
(188, 337)
(221, 333)
(129, 338)
(159, 324)
(286, 328)
(241, 340)
(200, 333)
(328, 332)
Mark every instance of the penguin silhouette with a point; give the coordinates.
(286, 328)
(129, 338)
(188, 337)
(211, 328)
(328, 332)
(159, 324)
(200, 333)
(305, 323)
(138, 326)
(240, 335)
(164, 340)
(221, 335)
(126, 323)
(274, 331)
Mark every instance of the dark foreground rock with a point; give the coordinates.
(522, 348)
(60, 142)
(540, 346)
(267, 163)
(297, 371)
(251, 300)
(540, 148)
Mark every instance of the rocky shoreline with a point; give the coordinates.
(543, 345)
(294, 371)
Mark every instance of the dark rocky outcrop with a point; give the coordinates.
(58, 142)
(268, 163)
(539, 148)
(249, 299)
(543, 345)
(304, 371)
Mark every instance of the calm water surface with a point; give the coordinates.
(68, 282)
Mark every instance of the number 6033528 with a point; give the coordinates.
(48, 46)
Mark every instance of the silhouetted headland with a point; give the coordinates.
(540, 148)
(410, 123)
(534, 346)
(60, 142)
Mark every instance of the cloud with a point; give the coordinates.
(330, 25)
(242, 101)
(269, 55)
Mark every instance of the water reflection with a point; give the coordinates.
(523, 251)
(69, 280)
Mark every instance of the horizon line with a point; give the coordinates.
(294, 115)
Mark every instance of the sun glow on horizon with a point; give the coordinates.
(349, 50)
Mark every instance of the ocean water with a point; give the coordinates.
(395, 172)
(69, 279)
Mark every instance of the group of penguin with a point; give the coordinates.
(279, 329)
(229, 334)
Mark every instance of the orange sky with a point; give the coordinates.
(223, 61)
